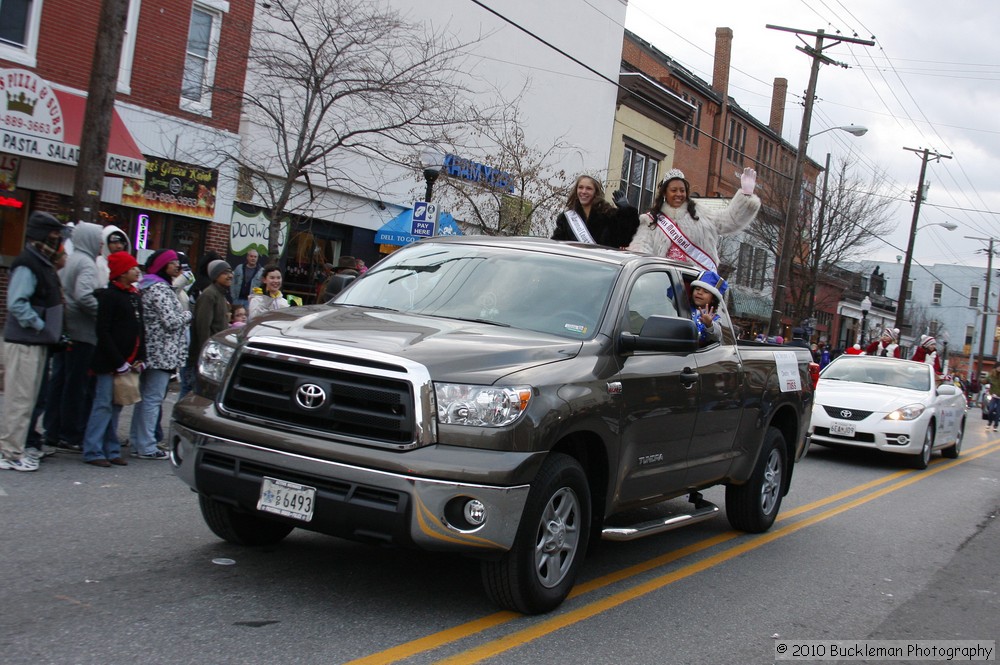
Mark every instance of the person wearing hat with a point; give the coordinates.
(34, 323)
(343, 274)
(927, 353)
(211, 309)
(707, 293)
(798, 338)
(885, 345)
(679, 227)
(115, 240)
(591, 219)
(121, 348)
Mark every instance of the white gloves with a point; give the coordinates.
(748, 180)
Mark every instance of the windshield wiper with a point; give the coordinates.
(462, 318)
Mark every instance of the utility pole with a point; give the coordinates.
(100, 105)
(901, 301)
(784, 267)
(986, 304)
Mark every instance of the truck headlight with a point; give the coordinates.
(213, 360)
(908, 412)
(480, 406)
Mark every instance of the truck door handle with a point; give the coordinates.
(688, 377)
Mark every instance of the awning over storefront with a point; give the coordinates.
(750, 306)
(397, 230)
(44, 123)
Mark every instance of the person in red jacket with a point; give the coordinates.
(927, 353)
(886, 345)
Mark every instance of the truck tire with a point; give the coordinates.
(241, 528)
(752, 506)
(538, 572)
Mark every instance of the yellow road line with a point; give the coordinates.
(456, 633)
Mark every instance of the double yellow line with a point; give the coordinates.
(888, 483)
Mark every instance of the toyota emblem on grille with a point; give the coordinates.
(845, 413)
(310, 396)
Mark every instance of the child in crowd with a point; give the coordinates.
(238, 316)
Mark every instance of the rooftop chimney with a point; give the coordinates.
(723, 58)
(778, 105)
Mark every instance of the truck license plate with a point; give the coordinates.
(287, 499)
(842, 429)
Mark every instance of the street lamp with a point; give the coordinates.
(901, 301)
(784, 268)
(866, 306)
(432, 161)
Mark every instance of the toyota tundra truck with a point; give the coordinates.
(513, 399)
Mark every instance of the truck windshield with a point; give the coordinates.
(559, 295)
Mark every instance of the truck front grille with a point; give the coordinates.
(328, 400)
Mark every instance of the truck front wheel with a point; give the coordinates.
(241, 528)
(752, 506)
(538, 572)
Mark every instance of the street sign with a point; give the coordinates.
(424, 219)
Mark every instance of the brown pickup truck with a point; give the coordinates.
(514, 399)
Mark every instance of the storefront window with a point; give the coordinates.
(13, 217)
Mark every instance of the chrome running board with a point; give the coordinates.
(700, 510)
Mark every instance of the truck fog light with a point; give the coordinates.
(475, 512)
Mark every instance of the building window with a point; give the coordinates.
(936, 299)
(19, 30)
(934, 327)
(128, 48)
(970, 332)
(692, 130)
(201, 55)
(736, 142)
(974, 297)
(751, 267)
(765, 151)
(639, 177)
(909, 289)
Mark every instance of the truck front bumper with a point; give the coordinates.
(352, 502)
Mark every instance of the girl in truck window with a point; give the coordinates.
(706, 295)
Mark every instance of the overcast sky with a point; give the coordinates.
(931, 81)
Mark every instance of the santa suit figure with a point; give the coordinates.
(886, 346)
(927, 353)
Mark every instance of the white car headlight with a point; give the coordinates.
(480, 406)
(908, 412)
(213, 360)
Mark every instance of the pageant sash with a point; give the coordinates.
(579, 227)
(683, 249)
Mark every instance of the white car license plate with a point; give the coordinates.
(287, 499)
(842, 429)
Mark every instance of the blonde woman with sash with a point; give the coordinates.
(679, 228)
(589, 218)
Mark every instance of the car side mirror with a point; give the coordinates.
(662, 333)
(947, 389)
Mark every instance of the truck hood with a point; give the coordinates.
(460, 351)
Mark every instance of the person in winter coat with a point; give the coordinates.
(121, 348)
(886, 345)
(270, 298)
(165, 323)
(211, 310)
(927, 353)
(706, 298)
(71, 385)
(115, 240)
(679, 227)
(589, 218)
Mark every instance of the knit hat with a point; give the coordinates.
(117, 236)
(675, 174)
(41, 224)
(712, 283)
(159, 260)
(120, 263)
(891, 333)
(928, 342)
(216, 268)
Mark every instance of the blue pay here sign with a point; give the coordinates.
(424, 219)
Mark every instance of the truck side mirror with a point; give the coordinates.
(662, 333)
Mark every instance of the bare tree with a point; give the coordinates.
(333, 83)
(853, 218)
(537, 185)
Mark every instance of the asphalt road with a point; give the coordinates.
(110, 566)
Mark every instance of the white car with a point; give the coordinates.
(887, 404)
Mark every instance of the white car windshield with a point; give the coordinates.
(879, 371)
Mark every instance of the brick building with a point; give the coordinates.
(164, 184)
